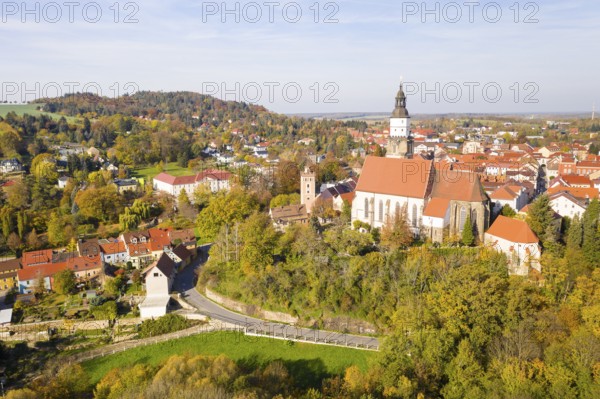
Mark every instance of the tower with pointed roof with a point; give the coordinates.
(308, 183)
(400, 144)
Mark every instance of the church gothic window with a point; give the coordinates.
(463, 218)
(380, 210)
(414, 215)
(366, 208)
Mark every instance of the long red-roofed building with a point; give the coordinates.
(215, 180)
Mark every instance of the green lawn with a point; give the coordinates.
(307, 363)
(148, 173)
(31, 109)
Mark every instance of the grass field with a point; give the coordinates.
(148, 173)
(31, 109)
(309, 364)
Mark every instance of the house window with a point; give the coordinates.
(380, 210)
(366, 208)
(155, 274)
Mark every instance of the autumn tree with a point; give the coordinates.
(33, 241)
(17, 194)
(9, 140)
(224, 209)
(43, 166)
(287, 178)
(102, 204)
(64, 282)
(396, 232)
(13, 241)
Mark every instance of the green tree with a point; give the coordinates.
(465, 375)
(508, 211)
(591, 236)
(113, 286)
(540, 218)
(106, 311)
(64, 282)
(575, 233)
(468, 237)
(284, 200)
(58, 234)
(259, 239)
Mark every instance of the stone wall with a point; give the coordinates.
(250, 310)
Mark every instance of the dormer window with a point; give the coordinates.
(143, 239)
(134, 240)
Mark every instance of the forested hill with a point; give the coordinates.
(155, 105)
(196, 110)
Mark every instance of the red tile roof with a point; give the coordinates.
(458, 185)
(113, 248)
(504, 193)
(437, 207)
(581, 193)
(210, 174)
(45, 270)
(513, 230)
(37, 257)
(400, 177)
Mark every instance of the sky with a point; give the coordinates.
(311, 56)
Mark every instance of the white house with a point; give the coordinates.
(216, 180)
(565, 204)
(10, 165)
(113, 251)
(520, 244)
(159, 280)
(512, 195)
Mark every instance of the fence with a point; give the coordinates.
(314, 337)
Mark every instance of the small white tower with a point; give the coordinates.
(308, 190)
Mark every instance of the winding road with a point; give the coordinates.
(185, 284)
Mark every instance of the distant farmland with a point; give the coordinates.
(30, 109)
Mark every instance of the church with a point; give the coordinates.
(434, 198)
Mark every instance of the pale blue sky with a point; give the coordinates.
(176, 45)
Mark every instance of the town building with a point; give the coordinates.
(159, 277)
(215, 180)
(518, 242)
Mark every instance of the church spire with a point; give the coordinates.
(400, 110)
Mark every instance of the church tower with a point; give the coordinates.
(400, 143)
(308, 181)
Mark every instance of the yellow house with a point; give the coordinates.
(8, 274)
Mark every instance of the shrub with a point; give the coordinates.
(163, 325)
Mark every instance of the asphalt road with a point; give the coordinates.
(185, 284)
